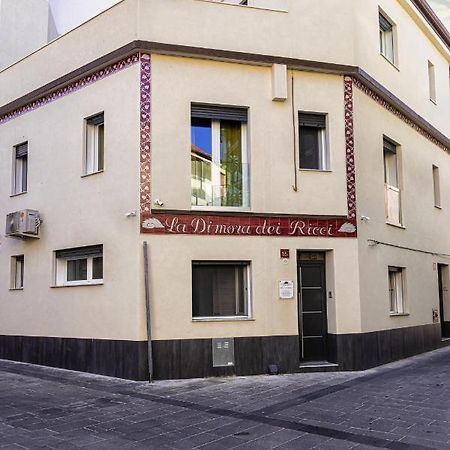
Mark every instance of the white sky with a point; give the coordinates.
(70, 13)
(442, 7)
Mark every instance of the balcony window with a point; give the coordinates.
(391, 183)
(219, 167)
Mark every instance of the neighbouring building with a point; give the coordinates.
(252, 186)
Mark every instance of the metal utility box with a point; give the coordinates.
(24, 223)
(223, 352)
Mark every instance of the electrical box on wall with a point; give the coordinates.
(223, 352)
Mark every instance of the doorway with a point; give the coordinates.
(445, 325)
(312, 306)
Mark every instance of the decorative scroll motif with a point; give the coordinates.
(247, 226)
(350, 149)
(374, 96)
(145, 139)
(72, 87)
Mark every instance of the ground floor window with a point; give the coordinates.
(220, 289)
(81, 265)
(396, 290)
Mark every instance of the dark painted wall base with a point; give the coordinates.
(121, 359)
(365, 350)
(193, 358)
(446, 329)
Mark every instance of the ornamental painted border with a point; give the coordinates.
(72, 87)
(242, 225)
(386, 105)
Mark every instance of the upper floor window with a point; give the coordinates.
(78, 266)
(219, 159)
(387, 38)
(20, 176)
(432, 81)
(281, 5)
(313, 141)
(391, 183)
(436, 187)
(95, 144)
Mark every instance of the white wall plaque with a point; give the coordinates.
(286, 289)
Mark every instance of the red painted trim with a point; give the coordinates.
(145, 130)
(229, 225)
(242, 224)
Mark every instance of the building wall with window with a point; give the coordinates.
(261, 171)
(422, 230)
(77, 211)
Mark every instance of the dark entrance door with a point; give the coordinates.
(312, 306)
(445, 326)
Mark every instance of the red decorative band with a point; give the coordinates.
(246, 226)
(72, 87)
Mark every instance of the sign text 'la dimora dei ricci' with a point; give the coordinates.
(247, 226)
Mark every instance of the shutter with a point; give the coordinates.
(385, 25)
(203, 111)
(98, 119)
(22, 150)
(79, 252)
(390, 146)
(312, 120)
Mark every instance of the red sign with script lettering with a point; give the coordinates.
(246, 225)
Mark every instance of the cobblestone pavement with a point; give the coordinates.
(404, 405)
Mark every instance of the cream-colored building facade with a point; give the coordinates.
(283, 162)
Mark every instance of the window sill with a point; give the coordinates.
(18, 193)
(76, 285)
(282, 10)
(438, 207)
(433, 101)
(224, 209)
(223, 319)
(92, 173)
(390, 62)
(396, 225)
(16, 289)
(399, 314)
(316, 170)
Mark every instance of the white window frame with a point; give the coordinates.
(249, 315)
(396, 279)
(432, 82)
(61, 272)
(388, 40)
(437, 187)
(215, 169)
(17, 272)
(91, 151)
(324, 150)
(18, 167)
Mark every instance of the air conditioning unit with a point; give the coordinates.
(24, 224)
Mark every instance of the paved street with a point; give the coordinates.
(405, 405)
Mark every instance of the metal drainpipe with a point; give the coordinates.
(148, 316)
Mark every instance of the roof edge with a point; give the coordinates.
(433, 20)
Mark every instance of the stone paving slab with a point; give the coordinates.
(404, 405)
